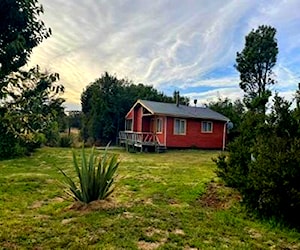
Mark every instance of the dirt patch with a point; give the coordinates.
(67, 221)
(41, 217)
(178, 232)
(151, 231)
(148, 245)
(39, 204)
(36, 204)
(94, 205)
(218, 196)
(128, 215)
(9, 245)
(254, 234)
(148, 201)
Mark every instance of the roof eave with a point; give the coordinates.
(136, 103)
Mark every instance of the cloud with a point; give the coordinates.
(168, 44)
(214, 95)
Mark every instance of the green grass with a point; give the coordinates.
(161, 201)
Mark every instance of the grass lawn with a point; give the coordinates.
(161, 201)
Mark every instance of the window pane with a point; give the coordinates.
(206, 126)
(159, 125)
(177, 125)
(128, 125)
(182, 127)
(209, 128)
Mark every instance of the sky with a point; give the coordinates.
(184, 45)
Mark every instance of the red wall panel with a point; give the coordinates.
(194, 137)
(139, 121)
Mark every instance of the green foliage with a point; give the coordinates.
(255, 64)
(9, 145)
(74, 119)
(264, 162)
(96, 176)
(105, 103)
(233, 110)
(65, 141)
(32, 107)
(51, 133)
(20, 31)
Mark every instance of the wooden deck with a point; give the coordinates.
(140, 140)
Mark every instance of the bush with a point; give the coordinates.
(96, 176)
(267, 176)
(274, 178)
(9, 146)
(65, 141)
(12, 146)
(263, 163)
(52, 135)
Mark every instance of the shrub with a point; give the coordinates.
(95, 176)
(9, 145)
(52, 135)
(65, 141)
(263, 163)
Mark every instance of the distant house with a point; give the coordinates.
(157, 125)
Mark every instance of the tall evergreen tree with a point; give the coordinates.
(255, 63)
(263, 161)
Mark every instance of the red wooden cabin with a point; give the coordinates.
(169, 125)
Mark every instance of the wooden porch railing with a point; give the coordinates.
(138, 138)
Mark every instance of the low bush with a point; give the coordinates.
(65, 141)
(263, 163)
(95, 176)
(267, 176)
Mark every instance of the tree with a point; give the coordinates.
(255, 64)
(233, 110)
(105, 103)
(20, 31)
(31, 112)
(264, 162)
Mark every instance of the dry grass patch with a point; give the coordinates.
(217, 196)
(143, 245)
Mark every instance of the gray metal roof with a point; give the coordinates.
(170, 109)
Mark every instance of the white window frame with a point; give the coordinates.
(181, 130)
(204, 126)
(159, 125)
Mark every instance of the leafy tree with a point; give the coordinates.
(233, 110)
(105, 103)
(255, 64)
(20, 31)
(74, 119)
(32, 108)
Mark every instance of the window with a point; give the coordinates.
(179, 126)
(128, 125)
(159, 125)
(206, 127)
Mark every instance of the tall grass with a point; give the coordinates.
(95, 176)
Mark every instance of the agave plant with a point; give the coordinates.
(96, 176)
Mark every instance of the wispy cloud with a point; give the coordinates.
(168, 43)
